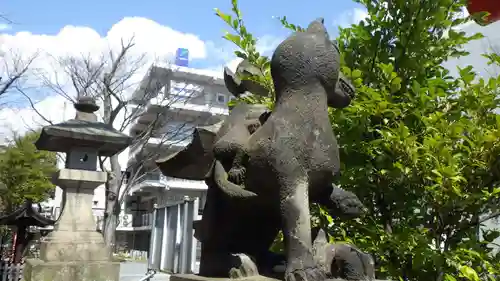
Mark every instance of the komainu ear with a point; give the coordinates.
(317, 26)
(233, 83)
(238, 83)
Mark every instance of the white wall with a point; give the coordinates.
(491, 43)
(477, 48)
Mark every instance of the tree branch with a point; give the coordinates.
(20, 69)
(32, 105)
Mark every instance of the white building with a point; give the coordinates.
(184, 98)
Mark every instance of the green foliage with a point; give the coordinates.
(418, 146)
(247, 45)
(25, 172)
(288, 25)
(416, 131)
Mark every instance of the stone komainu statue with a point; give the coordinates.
(263, 168)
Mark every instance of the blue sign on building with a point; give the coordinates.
(182, 57)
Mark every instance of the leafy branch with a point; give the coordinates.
(247, 45)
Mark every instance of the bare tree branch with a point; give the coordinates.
(32, 105)
(110, 79)
(14, 69)
(6, 19)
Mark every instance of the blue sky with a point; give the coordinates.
(60, 28)
(193, 16)
(189, 16)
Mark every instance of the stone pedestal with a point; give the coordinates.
(39, 270)
(74, 250)
(193, 277)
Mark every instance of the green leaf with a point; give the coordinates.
(395, 84)
(235, 24)
(448, 277)
(469, 273)
(387, 69)
(476, 36)
(346, 71)
(240, 54)
(356, 74)
(225, 17)
(233, 38)
(415, 87)
(467, 74)
(288, 25)
(25, 172)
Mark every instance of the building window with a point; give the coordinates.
(178, 131)
(221, 98)
(179, 94)
(183, 92)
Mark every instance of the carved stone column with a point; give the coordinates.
(75, 250)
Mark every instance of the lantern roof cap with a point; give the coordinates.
(84, 131)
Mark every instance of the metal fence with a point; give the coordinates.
(11, 272)
(172, 246)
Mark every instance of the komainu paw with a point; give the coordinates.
(306, 274)
(237, 175)
(242, 266)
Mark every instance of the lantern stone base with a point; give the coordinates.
(74, 250)
(83, 246)
(39, 270)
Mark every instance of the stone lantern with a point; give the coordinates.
(75, 250)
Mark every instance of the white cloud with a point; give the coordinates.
(55, 108)
(4, 26)
(156, 41)
(150, 38)
(265, 46)
(352, 16)
(233, 64)
(359, 15)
